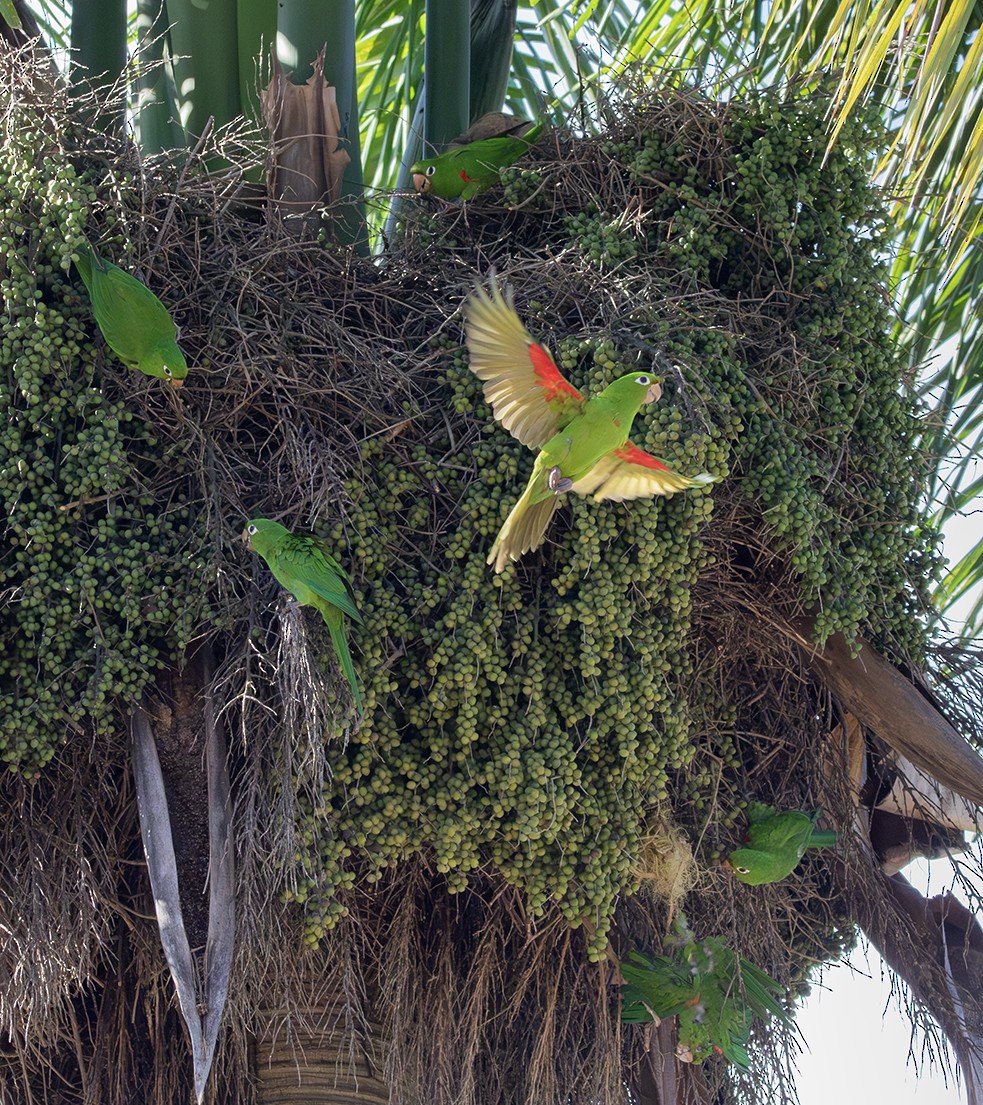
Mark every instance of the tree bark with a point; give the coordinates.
(320, 1058)
(897, 709)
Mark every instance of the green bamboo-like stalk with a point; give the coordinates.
(98, 49)
(256, 30)
(447, 72)
(304, 28)
(154, 109)
(352, 226)
(98, 41)
(204, 51)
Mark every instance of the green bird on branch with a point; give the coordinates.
(714, 994)
(463, 172)
(303, 565)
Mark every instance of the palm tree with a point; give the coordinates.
(464, 967)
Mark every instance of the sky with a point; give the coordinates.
(852, 1061)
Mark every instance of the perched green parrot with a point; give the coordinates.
(465, 171)
(775, 843)
(583, 443)
(134, 322)
(714, 994)
(302, 564)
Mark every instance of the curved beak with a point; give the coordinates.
(654, 393)
(421, 183)
(175, 382)
(245, 536)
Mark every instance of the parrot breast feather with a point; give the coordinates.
(526, 391)
(631, 473)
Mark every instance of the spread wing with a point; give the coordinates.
(307, 561)
(525, 389)
(631, 473)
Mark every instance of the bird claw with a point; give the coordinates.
(557, 482)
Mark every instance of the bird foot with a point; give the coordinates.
(557, 482)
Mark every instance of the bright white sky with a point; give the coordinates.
(853, 1062)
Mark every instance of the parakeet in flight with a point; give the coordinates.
(465, 171)
(303, 565)
(583, 443)
(134, 322)
(775, 843)
(714, 994)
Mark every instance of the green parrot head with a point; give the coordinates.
(261, 534)
(423, 175)
(751, 866)
(634, 390)
(167, 362)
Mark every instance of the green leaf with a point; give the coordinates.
(8, 13)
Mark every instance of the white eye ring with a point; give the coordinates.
(742, 870)
(431, 169)
(251, 529)
(167, 371)
(643, 380)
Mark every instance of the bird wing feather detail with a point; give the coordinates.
(631, 473)
(131, 317)
(310, 565)
(526, 391)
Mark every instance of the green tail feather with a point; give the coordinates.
(345, 660)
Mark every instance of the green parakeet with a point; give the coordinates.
(775, 843)
(465, 171)
(134, 322)
(583, 443)
(303, 565)
(714, 994)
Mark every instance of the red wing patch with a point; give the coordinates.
(549, 375)
(463, 174)
(633, 455)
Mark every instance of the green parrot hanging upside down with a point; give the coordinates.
(465, 171)
(583, 443)
(134, 322)
(775, 844)
(302, 564)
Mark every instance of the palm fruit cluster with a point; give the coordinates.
(526, 723)
(530, 735)
(530, 721)
(99, 582)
